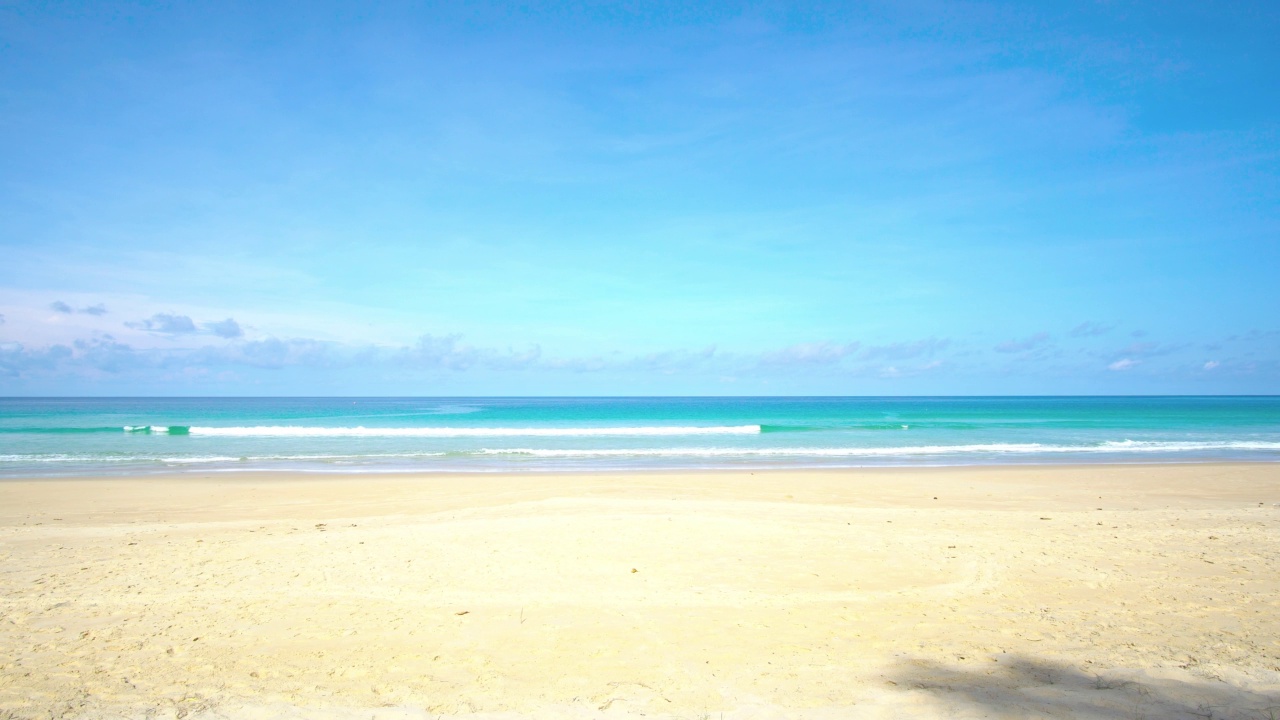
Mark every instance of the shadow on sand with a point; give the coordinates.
(1013, 686)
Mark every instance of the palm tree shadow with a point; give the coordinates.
(1021, 687)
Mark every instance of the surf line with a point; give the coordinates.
(157, 430)
(454, 432)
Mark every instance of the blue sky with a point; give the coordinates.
(640, 198)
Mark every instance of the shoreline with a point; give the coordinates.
(873, 592)
(178, 472)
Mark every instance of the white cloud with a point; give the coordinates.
(1211, 364)
(1122, 364)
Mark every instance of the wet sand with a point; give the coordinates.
(1092, 591)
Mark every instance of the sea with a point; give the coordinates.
(115, 436)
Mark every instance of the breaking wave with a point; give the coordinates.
(498, 458)
(459, 432)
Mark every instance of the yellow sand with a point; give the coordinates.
(1092, 592)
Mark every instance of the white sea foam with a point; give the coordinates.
(456, 432)
(258, 458)
(1177, 446)
(1119, 447)
(1115, 447)
(55, 457)
(199, 459)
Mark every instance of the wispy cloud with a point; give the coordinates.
(275, 354)
(1030, 343)
(165, 323)
(819, 353)
(448, 352)
(1148, 349)
(61, 307)
(895, 371)
(666, 362)
(450, 358)
(1090, 329)
(439, 353)
(906, 350)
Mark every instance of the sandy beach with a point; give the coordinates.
(1143, 591)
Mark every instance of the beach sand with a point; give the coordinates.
(1146, 591)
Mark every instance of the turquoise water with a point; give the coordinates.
(79, 436)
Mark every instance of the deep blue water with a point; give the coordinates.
(91, 436)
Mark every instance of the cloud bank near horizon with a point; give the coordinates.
(230, 360)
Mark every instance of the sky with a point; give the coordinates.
(895, 198)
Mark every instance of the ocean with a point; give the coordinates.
(112, 436)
